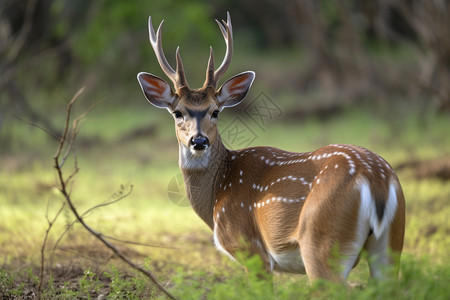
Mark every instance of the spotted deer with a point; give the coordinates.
(296, 211)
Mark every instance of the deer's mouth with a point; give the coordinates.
(198, 152)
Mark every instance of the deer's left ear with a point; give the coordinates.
(234, 90)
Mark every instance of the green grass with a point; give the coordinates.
(194, 269)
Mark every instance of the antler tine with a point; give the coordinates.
(210, 81)
(180, 76)
(177, 77)
(227, 32)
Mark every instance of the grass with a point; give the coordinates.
(194, 269)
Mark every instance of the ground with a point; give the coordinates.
(113, 157)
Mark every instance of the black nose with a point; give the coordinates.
(199, 142)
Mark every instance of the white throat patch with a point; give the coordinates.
(193, 160)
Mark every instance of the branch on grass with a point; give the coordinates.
(44, 243)
(121, 195)
(138, 244)
(67, 141)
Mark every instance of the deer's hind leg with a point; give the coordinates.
(384, 250)
(330, 233)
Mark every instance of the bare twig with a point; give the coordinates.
(85, 214)
(107, 203)
(58, 163)
(44, 243)
(68, 227)
(138, 244)
(63, 138)
(74, 131)
(53, 135)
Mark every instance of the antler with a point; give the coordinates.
(177, 77)
(212, 77)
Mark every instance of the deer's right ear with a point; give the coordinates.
(156, 90)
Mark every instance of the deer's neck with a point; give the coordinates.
(202, 176)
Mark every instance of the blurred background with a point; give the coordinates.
(335, 54)
(369, 72)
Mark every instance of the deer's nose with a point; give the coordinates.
(199, 142)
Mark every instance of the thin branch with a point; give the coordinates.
(138, 244)
(53, 135)
(63, 137)
(68, 227)
(44, 243)
(107, 203)
(75, 130)
(100, 237)
(85, 214)
(74, 171)
(63, 189)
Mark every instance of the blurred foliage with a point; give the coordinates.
(334, 54)
(110, 36)
(116, 26)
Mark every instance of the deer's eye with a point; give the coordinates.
(178, 114)
(215, 114)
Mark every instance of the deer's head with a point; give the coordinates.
(195, 110)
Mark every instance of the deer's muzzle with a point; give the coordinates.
(199, 143)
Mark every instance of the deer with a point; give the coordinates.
(310, 213)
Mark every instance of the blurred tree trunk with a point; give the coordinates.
(340, 65)
(337, 35)
(325, 69)
(25, 40)
(431, 23)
